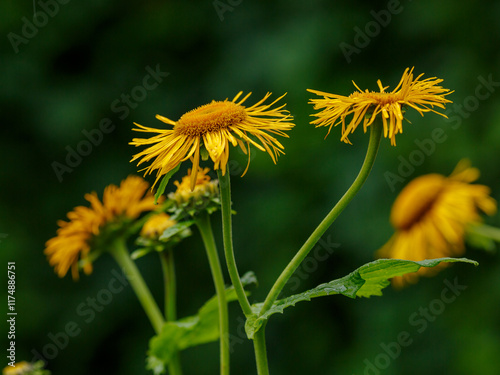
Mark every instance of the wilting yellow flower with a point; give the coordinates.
(431, 215)
(156, 225)
(74, 237)
(365, 106)
(214, 126)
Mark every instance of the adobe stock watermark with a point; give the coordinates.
(240, 336)
(427, 146)
(236, 168)
(121, 107)
(420, 321)
(319, 253)
(40, 19)
(223, 6)
(3, 236)
(86, 312)
(372, 29)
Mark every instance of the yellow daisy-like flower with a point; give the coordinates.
(156, 225)
(431, 215)
(214, 126)
(19, 368)
(365, 106)
(74, 237)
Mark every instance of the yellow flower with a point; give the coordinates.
(203, 185)
(156, 225)
(19, 368)
(204, 195)
(365, 106)
(74, 237)
(431, 215)
(214, 126)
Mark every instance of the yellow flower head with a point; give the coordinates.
(214, 126)
(74, 237)
(204, 195)
(431, 215)
(365, 106)
(19, 368)
(156, 225)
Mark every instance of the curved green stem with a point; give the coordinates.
(373, 145)
(119, 251)
(168, 267)
(259, 343)
(203, 223)
(225, 196)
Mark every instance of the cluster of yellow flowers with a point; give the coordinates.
(430, 215)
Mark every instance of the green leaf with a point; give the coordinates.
(368, 280)
(176, 229)
(190, 331)
(164, 182)
(139, 253)
(170, 237)
(482, 236)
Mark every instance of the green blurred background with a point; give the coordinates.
(69, 74)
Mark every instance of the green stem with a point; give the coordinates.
(225, 196)
(168, 267)
(373, 145)
(203, 223)
(174, 366)
(119, 251)
(259, 343)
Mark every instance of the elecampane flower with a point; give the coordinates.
(74, 237)
(204, 195)
(431, 215)
(364, 106)
(214, 126)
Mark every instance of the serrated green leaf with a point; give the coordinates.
(164, 182)
(190, 331)
(368, 280)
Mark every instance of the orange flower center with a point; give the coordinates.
(416, 200)
(382, 98)
(210, 118)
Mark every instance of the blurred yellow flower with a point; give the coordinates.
(431, 215)
(19, 368)
(214, 126)
(74, 237)
(365, 106)
(154, 227)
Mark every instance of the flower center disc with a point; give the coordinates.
(382, 98)
(210, 118)
(416, 200)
